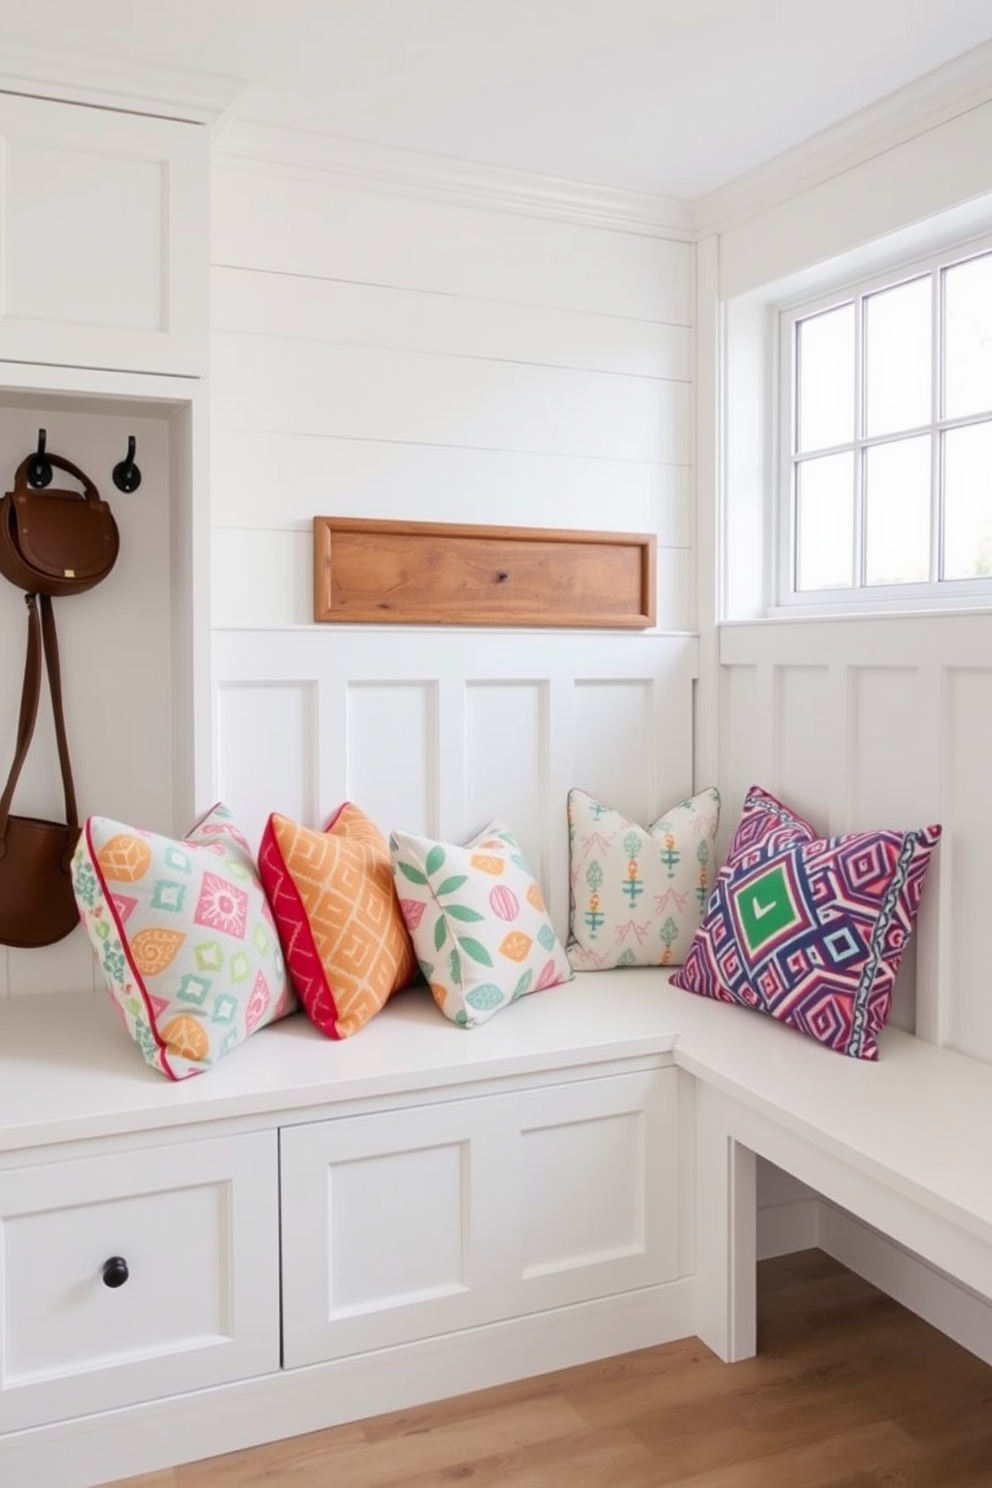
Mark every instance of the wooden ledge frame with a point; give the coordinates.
(434, 573)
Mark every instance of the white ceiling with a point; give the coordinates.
(667, 96)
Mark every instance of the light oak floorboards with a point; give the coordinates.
(848, 1391)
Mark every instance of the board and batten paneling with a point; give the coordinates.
(377, 355)
(439, 732)
(882, 722)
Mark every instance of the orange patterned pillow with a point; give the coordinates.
(343, 935)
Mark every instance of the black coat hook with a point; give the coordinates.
(39, 472)
(127, 476)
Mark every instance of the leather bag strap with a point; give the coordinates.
(51, 639)
(42, 639)
(58, 462)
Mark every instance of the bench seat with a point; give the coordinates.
(905, 1144)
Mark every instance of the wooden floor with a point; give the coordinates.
(848, 1391)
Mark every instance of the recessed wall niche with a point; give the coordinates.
(135, 649)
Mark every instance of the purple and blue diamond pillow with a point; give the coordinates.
(807, 929)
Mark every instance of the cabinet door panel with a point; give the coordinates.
(599, 1180)
(191, 1234)
(104, 248)
(391, 1231)
(412, 1224)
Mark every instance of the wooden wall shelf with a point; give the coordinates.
(417, 573)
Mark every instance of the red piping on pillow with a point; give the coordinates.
(109, 900)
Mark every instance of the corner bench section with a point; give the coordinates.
(900, 1151)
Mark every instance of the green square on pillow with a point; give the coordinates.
(478, 922)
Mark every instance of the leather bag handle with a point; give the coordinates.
(42, 637)
(21, 487)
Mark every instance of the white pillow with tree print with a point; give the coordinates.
(637, 894)
(478, 922)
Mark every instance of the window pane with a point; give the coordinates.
(898, 336)
(825, 522)
(897, 512)
(968, 337)
(968, 502)
(825, 376)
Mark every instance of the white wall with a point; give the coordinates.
(858, 723)
(116, 645)
(376, 353)
(382, 355)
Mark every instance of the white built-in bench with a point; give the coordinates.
(592, 1150)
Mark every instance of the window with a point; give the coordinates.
(886, 470)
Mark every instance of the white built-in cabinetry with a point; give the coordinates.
(104, 226)
(320, 1231)
(104, 335)
(129, 1275)
(405, 1224)
(315, 1232)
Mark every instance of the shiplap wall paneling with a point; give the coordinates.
(415, 359)
(439, 732)
(282, 221)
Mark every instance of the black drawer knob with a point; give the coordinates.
(115, 1272)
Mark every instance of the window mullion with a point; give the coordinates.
(858, 575)
(936, 437)
(817, 559)
(787, 505)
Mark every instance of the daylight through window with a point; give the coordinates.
(887, 416)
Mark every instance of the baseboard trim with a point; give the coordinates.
(146, 1438)
(785, 1228)
(954, 1309)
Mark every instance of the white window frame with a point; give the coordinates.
(934, 594)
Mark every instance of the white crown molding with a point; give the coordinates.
(944, 94)
(245, 143)
(196, 97)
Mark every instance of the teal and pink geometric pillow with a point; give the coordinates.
(636, 894)
(810, 929)
(478, 922)
(184, 937)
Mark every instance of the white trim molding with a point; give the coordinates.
(946, 93)
(247, 144)
(132, 87)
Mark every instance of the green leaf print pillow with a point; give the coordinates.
(478, 922)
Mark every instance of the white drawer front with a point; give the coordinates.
(193, 1229)
(420, 1222)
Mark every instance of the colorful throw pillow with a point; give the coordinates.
(636, 894)
(478, 922)
(810, 930)
(184, 937)
(332, 895)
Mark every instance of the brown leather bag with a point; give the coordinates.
(37, 904)
(55, 541)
